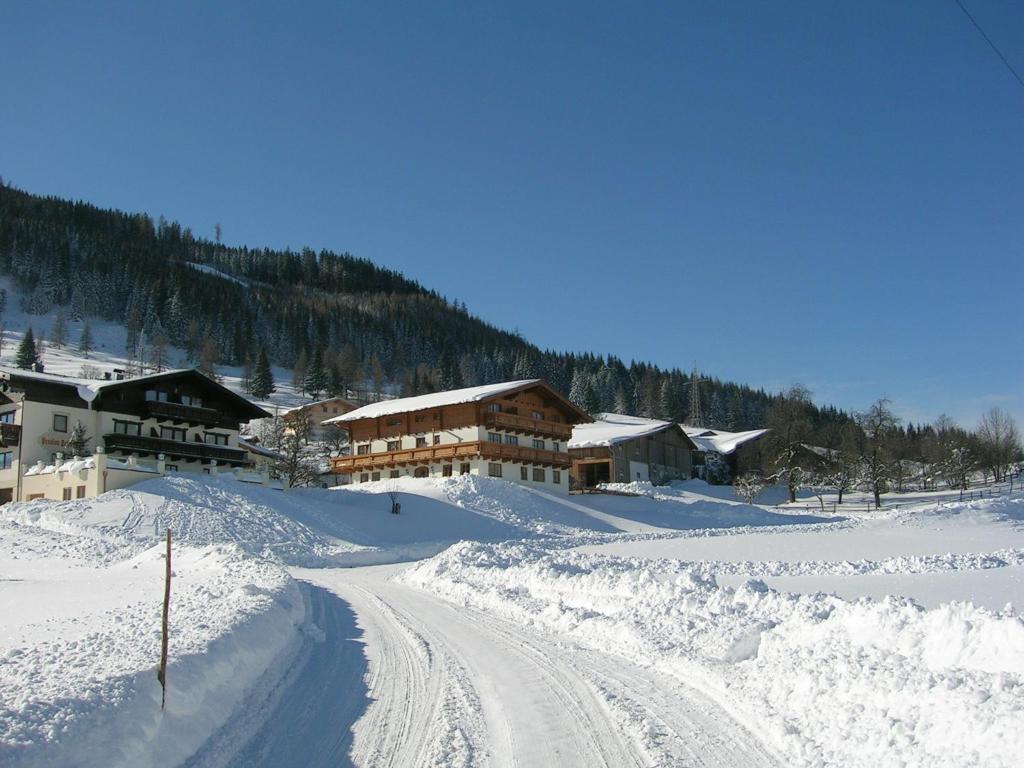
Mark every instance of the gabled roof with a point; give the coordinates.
(612, 428)
(89, 389)
(247, 407)
(451, 397)
(718, 440)
(303, 406)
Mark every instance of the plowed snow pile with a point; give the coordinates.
(80, 639)
(825, 680)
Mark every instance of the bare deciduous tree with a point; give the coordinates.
(1000, 441)
(878, 423)
(749, 486)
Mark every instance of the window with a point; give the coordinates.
(34, 496)
(494, 437)
(494, 407)
(464, 469)
(393, 422)
(127, 427)
(539, 474)
(494, 469)
(5, 459)
(393, 473)
(152, 394)
(7, 418)
(556, 477)
(364, 478)
(170, 467)
(420, 417)
(511, 440)
(375, 476)
(196, 402)
(556, 447)
(172, 433)
(446, 470)
(538, 415)
(421, 472)
(60, 422)
(538, 444)
(421, 442)
(437, 439)
(524, 473)
(80, 492)
(66, 494)
(393, 445)
(215, 438)
(362, 450)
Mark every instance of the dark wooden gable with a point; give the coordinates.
(217, 403)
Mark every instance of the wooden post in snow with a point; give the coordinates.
(162, 672)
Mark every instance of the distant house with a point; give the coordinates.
(318, 412)
(737, 452)
(621, 449)
(136, 428)
(517, 431)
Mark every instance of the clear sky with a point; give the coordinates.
(830, 193)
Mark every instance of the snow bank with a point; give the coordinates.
(825, 681)
(81, 639)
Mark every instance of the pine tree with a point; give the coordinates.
(85, 340)
(59, 331)
(316, 376)
(78, 441)
(27, 355)
(263, 378)
(299, 372)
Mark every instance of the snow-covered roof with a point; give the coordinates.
(434, 400)
(89, 389)
(259, 450)
(718, 440)
(612, 428)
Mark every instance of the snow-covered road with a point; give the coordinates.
(446, 685)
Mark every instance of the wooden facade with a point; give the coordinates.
(528, 425)
(659, 457)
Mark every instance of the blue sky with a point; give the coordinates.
(816, 192)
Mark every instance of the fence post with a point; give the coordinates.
(162, 673)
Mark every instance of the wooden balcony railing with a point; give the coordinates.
(170, 448)
(513, 423)
(187, 414)
(452, 452)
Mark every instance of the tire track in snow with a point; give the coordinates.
(517, 697)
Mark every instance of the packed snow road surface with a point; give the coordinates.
(444, 685)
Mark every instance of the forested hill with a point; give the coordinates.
(372, 328)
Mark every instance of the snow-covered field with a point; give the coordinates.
(489, 624)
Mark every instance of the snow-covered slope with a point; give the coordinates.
(80, 638)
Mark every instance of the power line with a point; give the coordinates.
(992, 45)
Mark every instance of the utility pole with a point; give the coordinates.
(696, 413)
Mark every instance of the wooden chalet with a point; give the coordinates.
(518, 431)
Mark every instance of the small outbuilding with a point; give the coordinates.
(621, 449)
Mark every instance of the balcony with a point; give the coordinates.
(346, 465)
(10, 435)
(187, 414)
(510, 422)
(155, 445)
